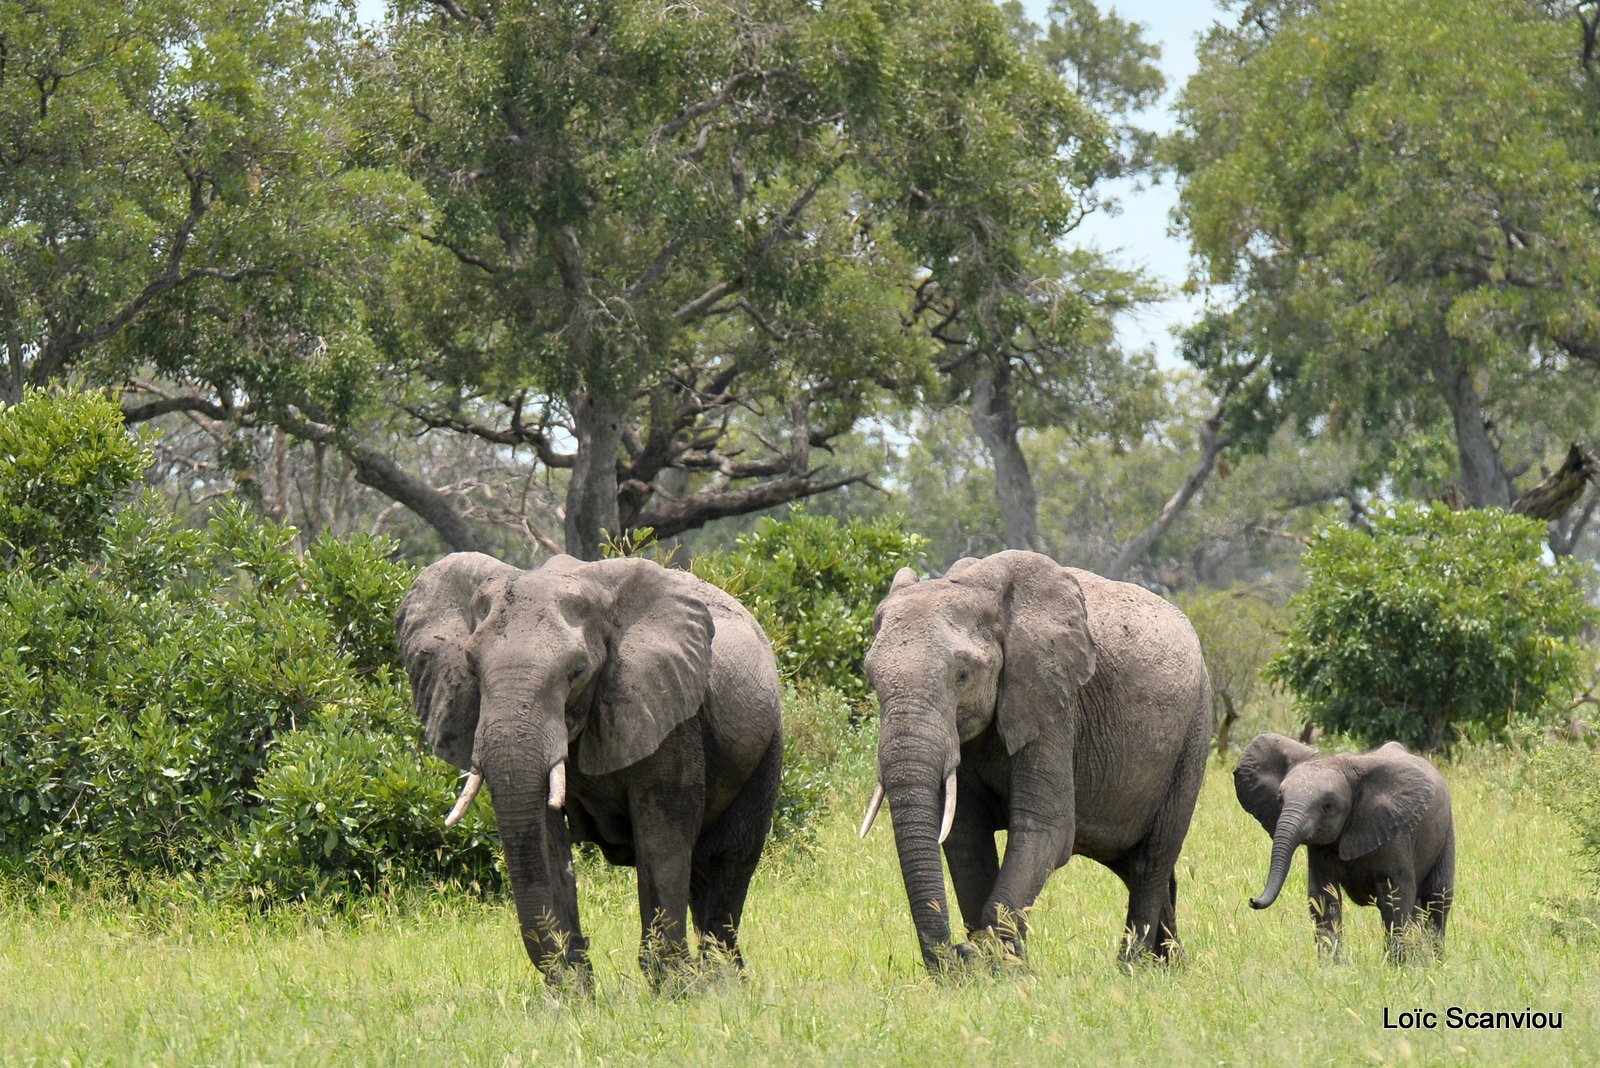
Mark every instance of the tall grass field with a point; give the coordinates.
(834, 977)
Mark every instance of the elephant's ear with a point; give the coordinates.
(1259, 776)
(658, 662)
(960, 565)
(432, 626)
(1048, 653)
(1393, 792)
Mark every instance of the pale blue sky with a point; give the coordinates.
(1139, 233)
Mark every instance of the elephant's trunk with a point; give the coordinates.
(915, 772)
(520, 753)
(1285, 840)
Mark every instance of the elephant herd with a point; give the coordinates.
(636, 707)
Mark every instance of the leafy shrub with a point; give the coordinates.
(64, 462)
(346, 805)
(825, 750)
(163, 689)
(813, 583)
(1440, 623)
(1239, 629)
(1568, 775)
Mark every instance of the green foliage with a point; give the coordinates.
(826, 748)
(177, 198)
(1439, 624)
(64, 462)
(1569, 778)
(813, 584)
(1401, 194)
(194, 700)
(347, 805)
(1239, 629)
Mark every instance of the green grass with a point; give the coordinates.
(835, 979)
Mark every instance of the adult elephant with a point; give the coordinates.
(614, 702)
(1067, 709)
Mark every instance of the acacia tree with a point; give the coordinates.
(173, 206)
(671, 252)
(1401, 195)
(1028, 337)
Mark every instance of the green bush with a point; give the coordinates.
(827, 748)
(65, 460)
(1568, 774)
(1239, 629)
(346, 805)
(201, 700)
(1440, 624)
(813, 583)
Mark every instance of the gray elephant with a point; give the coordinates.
(1375, 825)
(1067, 709)
(614, 702)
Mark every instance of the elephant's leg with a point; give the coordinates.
(664, 875)
(1169, 911)
(1436, 893)
(1042, 825)
(725, 857)
(974, 861)
(1327, 908)
(1397, 904)
(666, 803)
(571, 943)
(1149, 871)
(1151, 922)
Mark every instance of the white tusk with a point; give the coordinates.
(949, 807)
(469, 790)
(872, 808)
(558, 785)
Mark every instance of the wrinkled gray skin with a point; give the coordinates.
(1074, 712)
(659, 694)
(1375, 825)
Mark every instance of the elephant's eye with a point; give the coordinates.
(575, 674)
(963, 675)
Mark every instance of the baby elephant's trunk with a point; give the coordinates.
(1285, 840)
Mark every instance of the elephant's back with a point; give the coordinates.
(1145, 713)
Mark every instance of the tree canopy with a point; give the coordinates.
(1401, 196)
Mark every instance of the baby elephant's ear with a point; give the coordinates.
(1395, 790)
(1259, 776)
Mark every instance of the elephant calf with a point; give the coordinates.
(1376, 826)
(614, 702)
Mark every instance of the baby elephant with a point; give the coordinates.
(1376, 825)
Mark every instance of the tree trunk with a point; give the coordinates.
(1551, 499)
(592, 494)
(1484, 482)
(994, 417)
(674, 482)
(1212, 442)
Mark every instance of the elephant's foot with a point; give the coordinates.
(1139, 948)
(949, 958)
(1000, 947)
(566, 979)
(665, 963)
(1413, 944)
